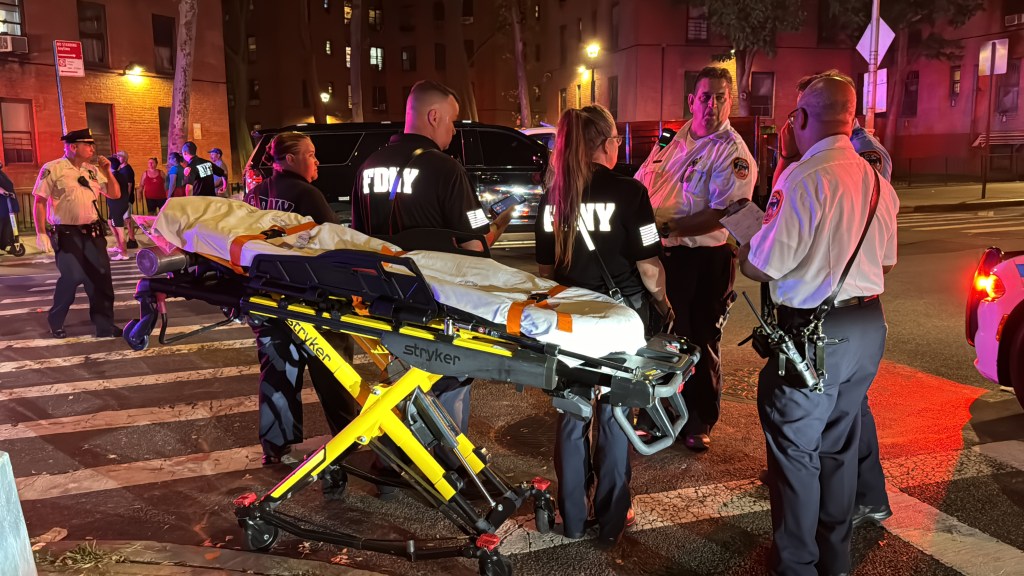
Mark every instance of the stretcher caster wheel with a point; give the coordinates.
(135, 342)
(545, 516)
(259, 536)
(333, 483)
(17, 250)
(495, 565)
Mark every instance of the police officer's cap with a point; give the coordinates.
(83, 135)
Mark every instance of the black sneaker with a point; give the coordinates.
(131, 244)
(112, 332)
(874, 514)
(58, 333)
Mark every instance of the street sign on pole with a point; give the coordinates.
(881, 91)
(872, 46)
(997, 63)
(885, 38)
(68, 55)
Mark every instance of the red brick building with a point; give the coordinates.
(125, 111)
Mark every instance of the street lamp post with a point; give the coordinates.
(593, 49)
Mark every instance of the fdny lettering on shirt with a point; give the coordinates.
(381, 180)
(596, 216)
(278, 204)
(205, 169)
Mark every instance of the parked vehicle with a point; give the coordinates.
(499, 160)
(995, 318)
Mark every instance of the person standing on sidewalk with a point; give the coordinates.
(65, 196)
(220, 183)
(129, 175)
(117, 210)
(872, 501)
(154, 188)
(199, 172)
(692, 180)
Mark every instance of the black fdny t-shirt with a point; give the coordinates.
(288, 192)
(430, 189)
(200, 175)
(618, 215)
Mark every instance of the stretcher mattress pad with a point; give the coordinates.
(481, 286)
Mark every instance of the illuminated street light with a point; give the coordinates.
(592, 50)
(324, 97)
(133, 70)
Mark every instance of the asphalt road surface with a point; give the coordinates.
(120, 445)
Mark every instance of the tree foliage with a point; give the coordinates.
(752, 25)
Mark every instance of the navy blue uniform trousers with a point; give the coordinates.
(813, 443)
(82, 260)
(697, 282)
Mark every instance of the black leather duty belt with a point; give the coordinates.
(855, 301)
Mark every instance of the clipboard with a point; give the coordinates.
(743, 222)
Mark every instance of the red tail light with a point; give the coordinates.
(989, 287)
(985, 287)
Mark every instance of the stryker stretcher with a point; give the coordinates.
(418, 315)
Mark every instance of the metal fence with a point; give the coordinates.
(953, 170)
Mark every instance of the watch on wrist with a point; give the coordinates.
(663, 230)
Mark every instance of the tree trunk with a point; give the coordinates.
(525, 115)
(744, 67)
(458, 71)
(238, 72)
(897, 80)
(359, 41)
(311, 79)
(181, 96)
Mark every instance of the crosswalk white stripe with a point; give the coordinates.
(35, 309)
(81, 290)
(44, 486)
(116, 280)
(126, 382)
(122, 355)
(968, 225)
(137, 417)
(936, 218)
(1004, 229)
(45, 342)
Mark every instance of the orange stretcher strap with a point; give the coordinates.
(239, 241)
(515, 312)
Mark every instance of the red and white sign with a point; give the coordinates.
(68, 55)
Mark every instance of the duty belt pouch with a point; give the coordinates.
(54, 236)
(101, 230)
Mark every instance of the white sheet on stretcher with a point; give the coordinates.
(480, 286)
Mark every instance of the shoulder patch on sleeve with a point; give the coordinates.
(740, 168)
(873, 158)
(44, 173)
(772, 209)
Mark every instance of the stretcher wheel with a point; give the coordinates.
(495, 565)
(259, 536)
(17, 250)
(136, 343)
(545, 516)
(333, 483)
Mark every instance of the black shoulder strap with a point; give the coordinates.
(613, 290)
(826, 306)
(393, 195)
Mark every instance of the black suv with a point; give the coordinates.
(500, 161)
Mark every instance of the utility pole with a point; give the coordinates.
(869, 119)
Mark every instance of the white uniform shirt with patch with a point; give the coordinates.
(813, 221)
(688, 176)
(67, 201)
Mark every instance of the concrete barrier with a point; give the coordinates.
(15, 551)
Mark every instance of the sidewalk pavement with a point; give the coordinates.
(960, 198)
(156, 558)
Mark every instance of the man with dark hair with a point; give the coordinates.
(692, 181)
(411, 184)
(199, 172)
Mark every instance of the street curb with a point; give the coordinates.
(962, 206)
(202, 557)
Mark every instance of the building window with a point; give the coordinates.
(689, 85)
(330, 88)
(16, 123)
(536, 93)
(563, 100)
(348, 12)
(10, 17)
(579, 96)
(613, 36)
(467, 9)
(563, 50)
(1009, 88)
(251, 43)
(327, 47)
(536, 11)
(909, 109)
(348, 56)
(380, 98)
(697, 24)
(376, 19)
(92, 31)
(349, 96)
(407, 18)
(579, 30)
(438, 11)
(409, 59)
(254, 92)
(470, 50)
(439, 57)
(99, 119)
(164, 49)
(762, 93)
(954, 84)
(613, 95)
(165, 128)
(376, 58)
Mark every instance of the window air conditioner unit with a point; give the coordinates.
(1013, 19)
(14, 44)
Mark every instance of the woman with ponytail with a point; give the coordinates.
(589, 205)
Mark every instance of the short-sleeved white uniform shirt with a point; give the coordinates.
(67, 200)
